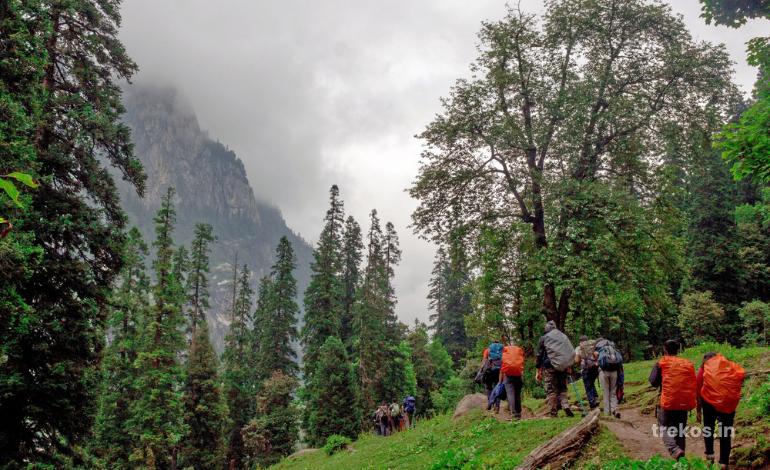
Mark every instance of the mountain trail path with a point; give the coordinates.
(634, 430)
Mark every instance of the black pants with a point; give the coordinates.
(590, 374)
(513, 386)
(725, 433)
(491, 378)
(675, 421)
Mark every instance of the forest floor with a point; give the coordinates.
(477, 439)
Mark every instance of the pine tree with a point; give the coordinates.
(239, 374)
(204, 410)
(352, 254)
(61, 65)
(197, 282)
(331, 408)
(157, 416)
(457, 300)
(128, 307)
(392, 253)
(424, 368)
(274, 432)
(278, 330)
(262, 314)
(324, 294)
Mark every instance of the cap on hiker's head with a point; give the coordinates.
(551, 325)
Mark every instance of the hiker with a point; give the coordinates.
(382, 419)
(395, 416)
(511, 372)
(410, 406)
(494, 357)
(676, 378)
(719, 391)
(554, 358)
(609, 360)
(589, 369)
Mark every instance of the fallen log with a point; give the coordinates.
(563, 448)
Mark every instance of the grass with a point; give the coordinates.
(477, 441)
(473, 441)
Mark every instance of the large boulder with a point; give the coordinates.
(475, 401)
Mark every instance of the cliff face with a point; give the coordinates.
(211, 187)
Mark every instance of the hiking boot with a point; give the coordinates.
(569, 412)
(679, 455)
(517, 416)
(553, 414)
(710, 458)
(617, 414)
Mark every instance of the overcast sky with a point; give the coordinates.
(316, 92)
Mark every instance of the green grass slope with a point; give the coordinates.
(477, 441)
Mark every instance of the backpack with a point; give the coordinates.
(587, 353)
(495, 351)
(610, 359)
(560, 351)
(513, 361)
(409, 404)
(722, 383)
(395, 410)
(679, 385)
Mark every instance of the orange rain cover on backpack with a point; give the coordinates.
(722, 383)
(679, 385)
(513, 361)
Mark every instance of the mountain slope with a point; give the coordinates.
(211, 187)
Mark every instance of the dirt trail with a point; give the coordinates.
(635, 432)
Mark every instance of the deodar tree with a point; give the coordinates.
(558, 135)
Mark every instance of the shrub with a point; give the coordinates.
(755, 319)
(336, 443)
(700, 318)
(447, 397)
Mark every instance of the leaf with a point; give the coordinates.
(11, 191)
(3, 220)
(23, 178)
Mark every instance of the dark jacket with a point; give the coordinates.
(656, 376)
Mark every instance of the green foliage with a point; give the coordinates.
(441, 361)
(755, 316)
(60, 123)
(462, 458)
(129, 307)
(657, 463)
(273, 433)
(157, 416)
(278, 318)
(352, 254)
(324, 295)
(204, 410)
(761, 398)
(447, 397)
(700, 318)
(336, 443)
(331, 396)
(197, 281)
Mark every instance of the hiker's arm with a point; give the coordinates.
(655, 376)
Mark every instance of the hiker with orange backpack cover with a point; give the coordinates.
(678, 396)
(510, 376)
(719, 391)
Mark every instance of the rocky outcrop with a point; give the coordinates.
(211, 187)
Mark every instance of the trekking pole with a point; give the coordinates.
(577, 394)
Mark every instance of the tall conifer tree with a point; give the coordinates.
(278, 329)
(197, 281)
(323, 297)
(157, 416)
(204, 408)
(129, 306)
(352, 254)
(62, 62)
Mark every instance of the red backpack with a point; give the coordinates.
(679, 384)
(722, 383)
(513, 361)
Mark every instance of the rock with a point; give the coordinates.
(301, 452)
(476, 401)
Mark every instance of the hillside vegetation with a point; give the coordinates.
(479, 441)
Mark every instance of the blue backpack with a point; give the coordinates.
(409, 404)
(496, 352)
(610, 359)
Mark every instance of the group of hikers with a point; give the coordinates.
(714, 391)
(394, 417)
